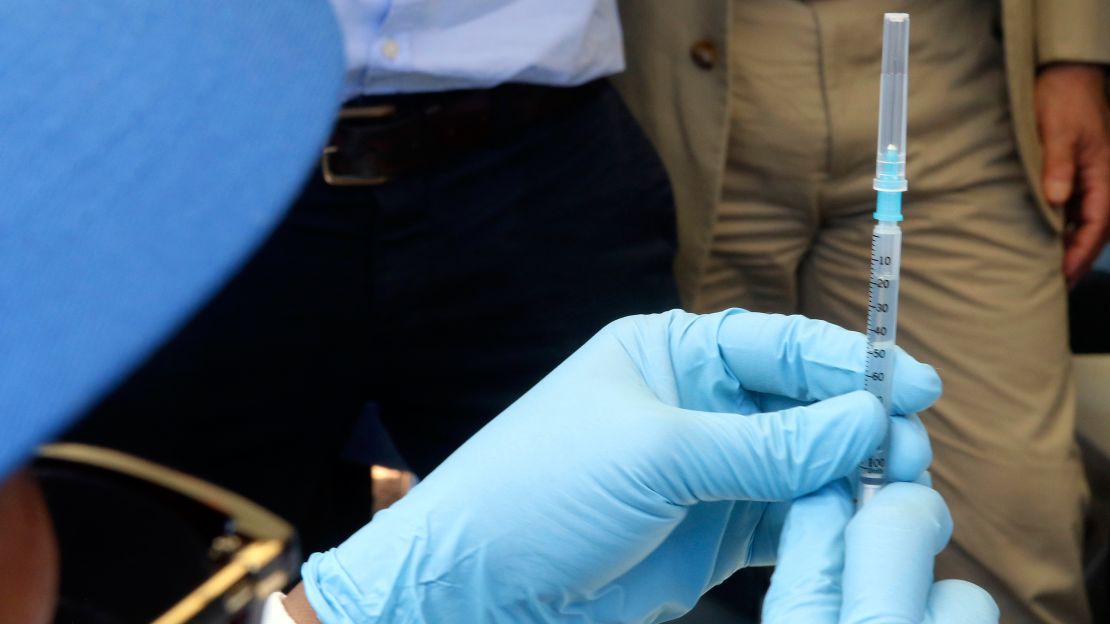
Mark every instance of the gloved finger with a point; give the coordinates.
(775, 403)
(707, 456)
(764, 546)
(960, 602)
(909, 453)
(810, 360)
(806, 584)
(889, 549)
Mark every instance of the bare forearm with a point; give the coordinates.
(298, 607)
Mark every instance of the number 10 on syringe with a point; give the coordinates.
(886, 239)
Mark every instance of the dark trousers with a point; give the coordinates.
(441, 296)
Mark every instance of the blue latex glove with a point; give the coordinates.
(635, 476)
(876, 567)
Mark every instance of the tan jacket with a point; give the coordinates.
(677, 86)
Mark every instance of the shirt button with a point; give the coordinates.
(704, 54)
(390, 49)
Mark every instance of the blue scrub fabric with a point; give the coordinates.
(139, 164)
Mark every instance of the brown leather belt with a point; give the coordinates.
(382, 138)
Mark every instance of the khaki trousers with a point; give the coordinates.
(982, 295)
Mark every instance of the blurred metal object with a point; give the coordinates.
(141, 542)
(354, 113)
(341, 179)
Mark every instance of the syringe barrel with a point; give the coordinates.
(890, 166)
(882, 329)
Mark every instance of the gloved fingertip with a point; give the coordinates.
(917, 385)
(890, 547)
(910, 507)
(925, 478)
(865, 406)
(960, 601)
(857, 414)
(910, 452)
(864, 416)
(846, 430)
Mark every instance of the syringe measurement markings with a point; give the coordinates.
(882, 307)
(877, 380)
(878, 371)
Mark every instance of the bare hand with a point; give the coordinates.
(1074, 123)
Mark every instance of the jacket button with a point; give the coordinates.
(704, 54)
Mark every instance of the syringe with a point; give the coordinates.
(886, 239)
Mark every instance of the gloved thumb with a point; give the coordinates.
(894, 538)
(770, 456)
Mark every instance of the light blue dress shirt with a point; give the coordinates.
(404, 46)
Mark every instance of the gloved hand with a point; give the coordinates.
(876, 567)
(642, 471)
